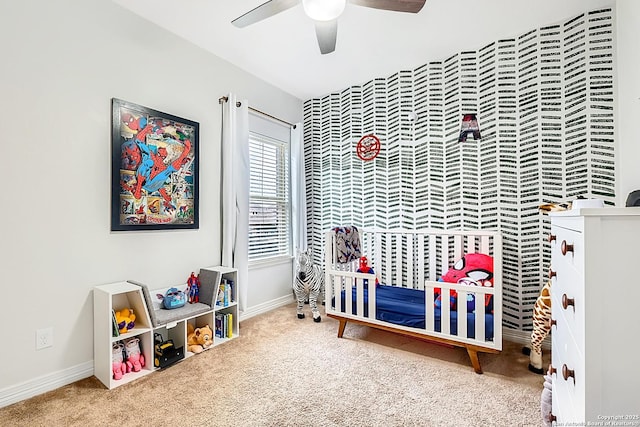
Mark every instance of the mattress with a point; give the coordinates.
(405, 306)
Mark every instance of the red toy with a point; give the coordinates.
(476, 267)
(472, 269)
(364, 268)
(193, 288)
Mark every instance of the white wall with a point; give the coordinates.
(62, 62)
(628, 17)
(270, 287)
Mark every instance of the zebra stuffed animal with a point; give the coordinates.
(308, 284)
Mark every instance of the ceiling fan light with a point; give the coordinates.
(323, 10)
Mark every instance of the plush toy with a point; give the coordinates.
(126, 320)
(472, 269)
(199, 339)
(308, 285)
(117, 361)
(173, 298)
(546, 399)
(135, 359)
(193, 288)
(364, 268)
(541, 328)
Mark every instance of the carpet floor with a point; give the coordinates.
(283, 371)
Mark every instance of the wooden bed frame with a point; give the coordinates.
(417, 259)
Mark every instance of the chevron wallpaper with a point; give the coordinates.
(545, 106)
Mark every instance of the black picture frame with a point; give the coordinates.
(154, 169)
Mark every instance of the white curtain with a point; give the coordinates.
(298, 190)
(235, 191)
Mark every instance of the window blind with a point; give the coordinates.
(269, 198)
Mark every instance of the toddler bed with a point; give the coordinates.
(409, 266)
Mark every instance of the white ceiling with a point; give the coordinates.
(283, 50)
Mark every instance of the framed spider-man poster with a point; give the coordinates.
(154, 169)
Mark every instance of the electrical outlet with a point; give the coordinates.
(44, 338)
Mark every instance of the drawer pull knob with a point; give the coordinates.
(568, 373)
(552, 370)
(565, 247)
(552, 274)
(552, 323)
(566, 302)
(552, 418)
(552, 238)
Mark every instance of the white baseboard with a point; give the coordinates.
(265, 307)
(523, 337)
(44, 383)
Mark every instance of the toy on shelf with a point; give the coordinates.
(126, 320)
(365, 268)
(117, 361)
(173, 298)
(199, 339)
(135, 359)
(193, 288)
(166, 353)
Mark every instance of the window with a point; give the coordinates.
(269, 199)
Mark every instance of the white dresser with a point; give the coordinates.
(595, 256)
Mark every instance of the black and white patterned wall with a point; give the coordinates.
(546, 109)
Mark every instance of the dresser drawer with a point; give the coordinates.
(566, 359)
(568, 282)
(562, 405)
(567, 249)
(569, 320)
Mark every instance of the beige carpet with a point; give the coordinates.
(283, 371)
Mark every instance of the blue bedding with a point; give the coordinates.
(405, 306)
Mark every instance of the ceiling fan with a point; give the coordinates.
(325, 13)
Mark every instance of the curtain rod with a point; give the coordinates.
(255, 110)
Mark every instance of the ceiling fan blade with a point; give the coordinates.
(264, 11)
(327, 32)
(409, 6)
